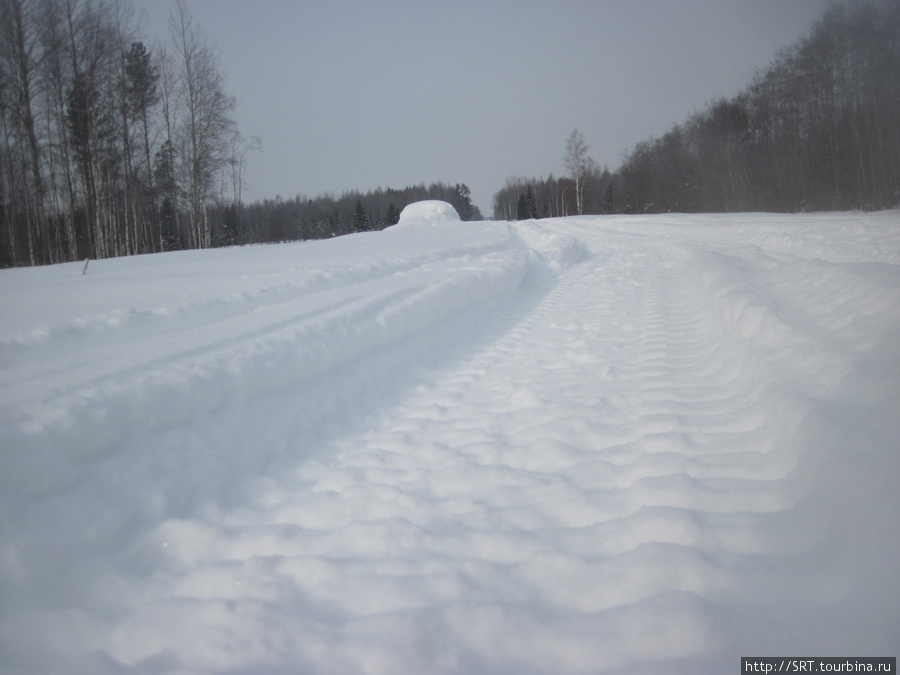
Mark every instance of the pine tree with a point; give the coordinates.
(530, 204)
(360, 218)
(393, 215)
(521, 208)
(462, 201)
(609, 203)
(143, 94)
(170, 239)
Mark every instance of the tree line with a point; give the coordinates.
(523, 198)
(818, 130)
(112, 145)
(585, 189)
(109, 146)
(301, 218)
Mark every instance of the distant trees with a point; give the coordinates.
(818, 130)
(585, 189)
(579, 165)
(461, 198)
(526, 204)
(19, 47)
(392, 215)
(521, 208)
(104, 141)
(239, 151)
(300, 218)
(552, 197)
(111, 145)
(360, 217)
(526, 207)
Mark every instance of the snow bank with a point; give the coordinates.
(222, 327)
(555, 250)
(621, 445)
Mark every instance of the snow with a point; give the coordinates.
(601, 444)
(427, 212)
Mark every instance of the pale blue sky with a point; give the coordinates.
(357, 94)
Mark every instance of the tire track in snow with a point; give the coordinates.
(88, 401)
(607, 454)
(592, 490)
(600, 495)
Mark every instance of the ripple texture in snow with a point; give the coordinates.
(623, 445)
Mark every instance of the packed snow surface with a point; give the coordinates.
(589, 445)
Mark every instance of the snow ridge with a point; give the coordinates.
(182, 362)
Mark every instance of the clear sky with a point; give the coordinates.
(360, 94)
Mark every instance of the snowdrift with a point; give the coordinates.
(620, 445)
(429, 212)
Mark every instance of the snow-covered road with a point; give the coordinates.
(599, 444)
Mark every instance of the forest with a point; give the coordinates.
(818, 130)
(109, 147)
(112, 147)
(300, 218)
(112, 144)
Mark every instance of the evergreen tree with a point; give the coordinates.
(142, 93)
(462, 201)
(171, 240)
(360, 218)
(521, 208)
(530, 204)
(143, 78)
(609, 203)
(393, 215)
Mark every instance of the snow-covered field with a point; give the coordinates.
(601, 444)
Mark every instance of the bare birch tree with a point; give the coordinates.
(19, 45)
(208, 123)
(579, 164)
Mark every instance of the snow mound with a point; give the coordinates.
(428, 212)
